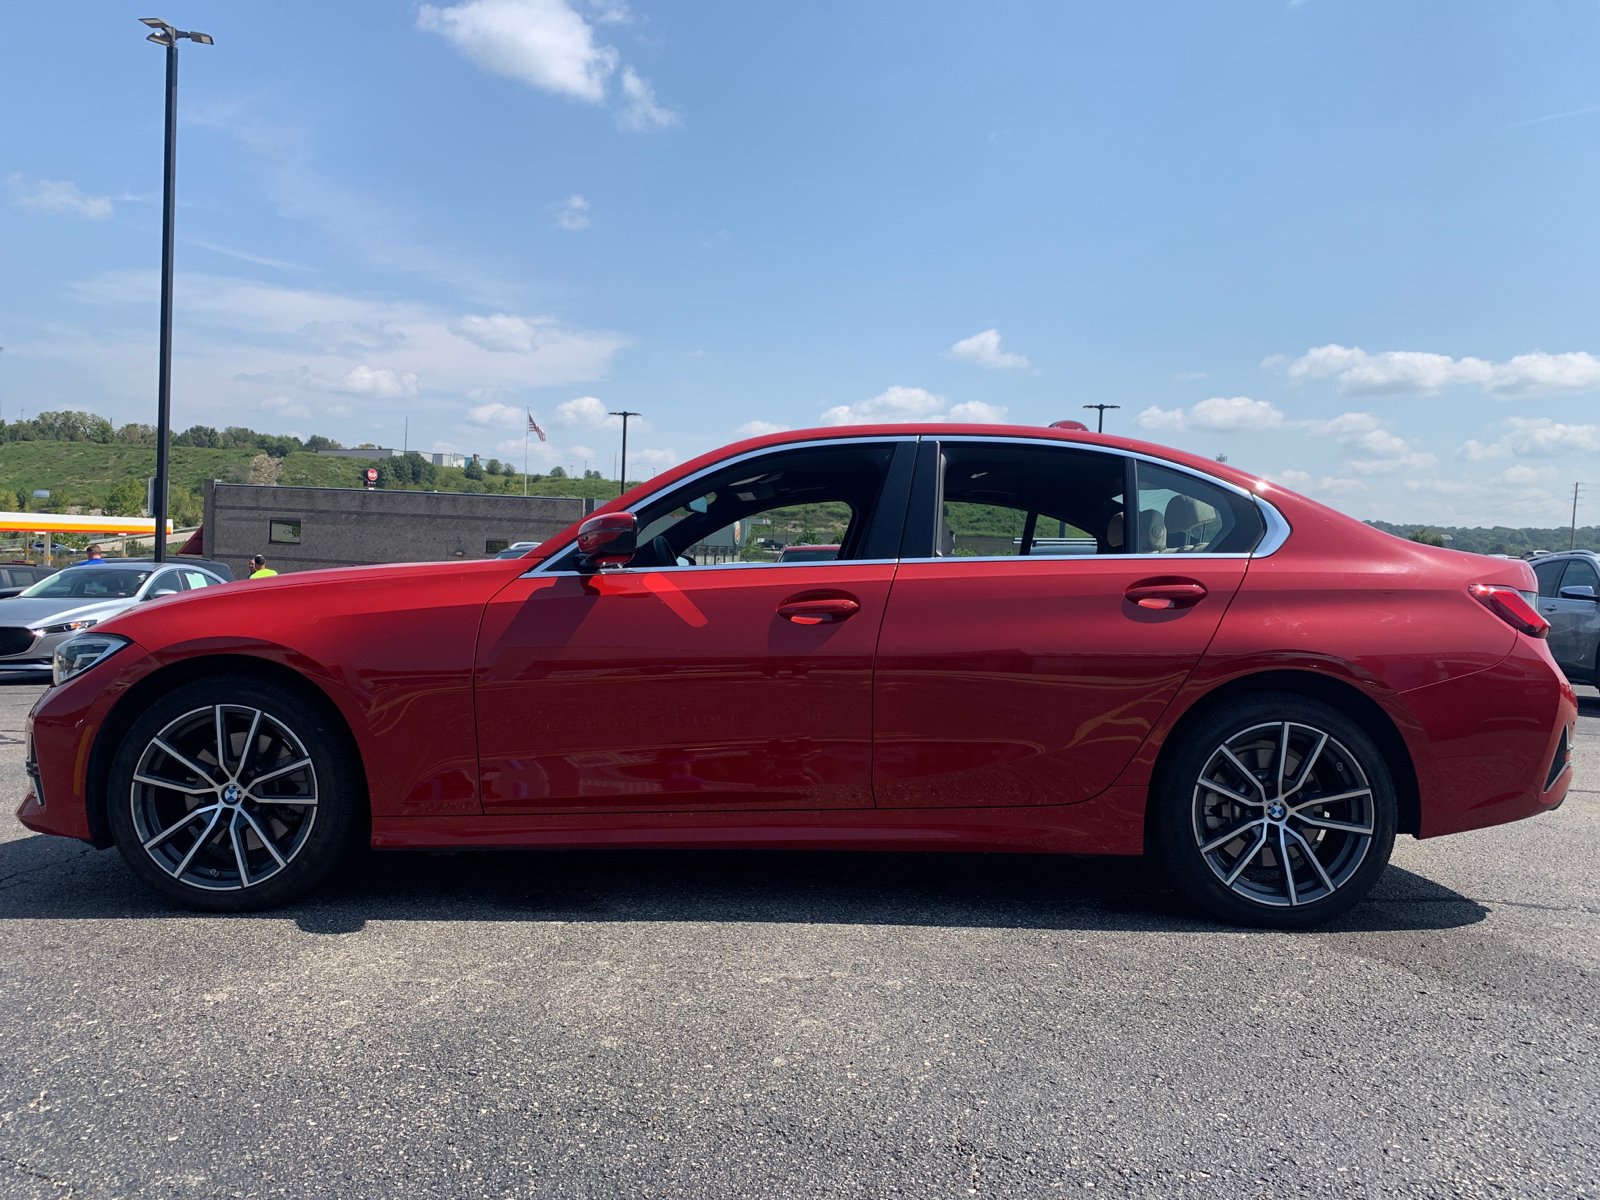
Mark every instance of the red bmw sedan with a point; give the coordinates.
(1030, 640)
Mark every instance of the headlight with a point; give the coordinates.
(69, 627)
(77, 654)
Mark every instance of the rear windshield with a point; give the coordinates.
(89, 584)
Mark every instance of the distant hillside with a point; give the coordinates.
(1501, 539)
(84, 473)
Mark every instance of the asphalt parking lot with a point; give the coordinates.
(688, 1024)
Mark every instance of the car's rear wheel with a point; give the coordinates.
(1274, 810)
(233, 794)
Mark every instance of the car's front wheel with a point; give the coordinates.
(1274, 810)
(234, 793)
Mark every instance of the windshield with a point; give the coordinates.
(88, 583)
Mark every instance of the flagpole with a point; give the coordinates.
(524, 462)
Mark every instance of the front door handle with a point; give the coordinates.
(1184, 593)
(819, 612)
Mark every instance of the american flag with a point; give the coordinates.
(533, 427)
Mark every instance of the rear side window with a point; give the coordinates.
(1181, 513)
(999, 500)
(1549, 576)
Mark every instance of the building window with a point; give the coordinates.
(284, 532)
(495, 545)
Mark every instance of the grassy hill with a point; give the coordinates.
(85, 472)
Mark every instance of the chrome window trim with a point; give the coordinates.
(1169, 556)
(893, 439)
(832, 562)
(1277, 527)
(1277, 532)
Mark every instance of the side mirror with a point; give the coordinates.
(159, 592)
(609, 540)
(1583, 592)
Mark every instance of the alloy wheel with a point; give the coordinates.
(1283, 814)
(224, 797)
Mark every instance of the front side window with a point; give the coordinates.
(1181, 513)
(1581, 573)
(753, 510)
(1548, 574)
(199, 579)
(999, 500)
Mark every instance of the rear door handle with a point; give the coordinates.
(819, 612)
(1176, 594)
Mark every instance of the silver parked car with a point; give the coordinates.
(1569, 586)
(73, 600)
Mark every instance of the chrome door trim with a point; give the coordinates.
(892, 439)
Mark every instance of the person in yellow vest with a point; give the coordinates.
(259, 568)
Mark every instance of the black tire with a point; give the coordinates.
(259, 829)
(1330, 815)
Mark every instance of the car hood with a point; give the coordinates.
(19, 610)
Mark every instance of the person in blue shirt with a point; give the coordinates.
(93, 555)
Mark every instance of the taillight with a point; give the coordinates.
(1513, 607)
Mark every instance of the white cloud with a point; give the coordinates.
(911, 404)
(1418, 373)
(1302, 481)
(588, 412)
(574, 213)
(1535, 437)
(581, 453)
(548, 44)
(60, 196)
(639, 109)
(246, 341)
(1220, 414)
(984, 349)
(978, 412)
(386, 383)
(758, 428)
(1363, 433)
(543, 43)
(282, 406)
(496, 414)
(659, 459)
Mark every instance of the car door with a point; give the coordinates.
(680, 686)
(1034, 633)
(1574, 619)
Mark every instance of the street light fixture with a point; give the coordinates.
(164, 34)
(1100, 425)
(622, 476)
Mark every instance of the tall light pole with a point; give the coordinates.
(165, 35)
(622, 475)
(1100, 425)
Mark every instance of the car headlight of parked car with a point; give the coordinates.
(68, 627)
(77, 654)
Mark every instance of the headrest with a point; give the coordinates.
(1114, 531)
(1185, 513)
(1152, 532)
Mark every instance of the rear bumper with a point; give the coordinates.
(1494, 738)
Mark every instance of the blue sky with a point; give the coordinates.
(1352, 246)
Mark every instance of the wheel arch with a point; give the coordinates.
(1335, 693)
(158, 683)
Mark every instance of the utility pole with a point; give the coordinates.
(1100, 425)
(1572, 537)
(622, 475)
(166, 35)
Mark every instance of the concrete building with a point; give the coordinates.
(306, 529)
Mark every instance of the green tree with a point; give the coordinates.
(125, 500)
(473, 469)
(557, 473)
(317, 442)
(137, 435)
(1428, 537)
